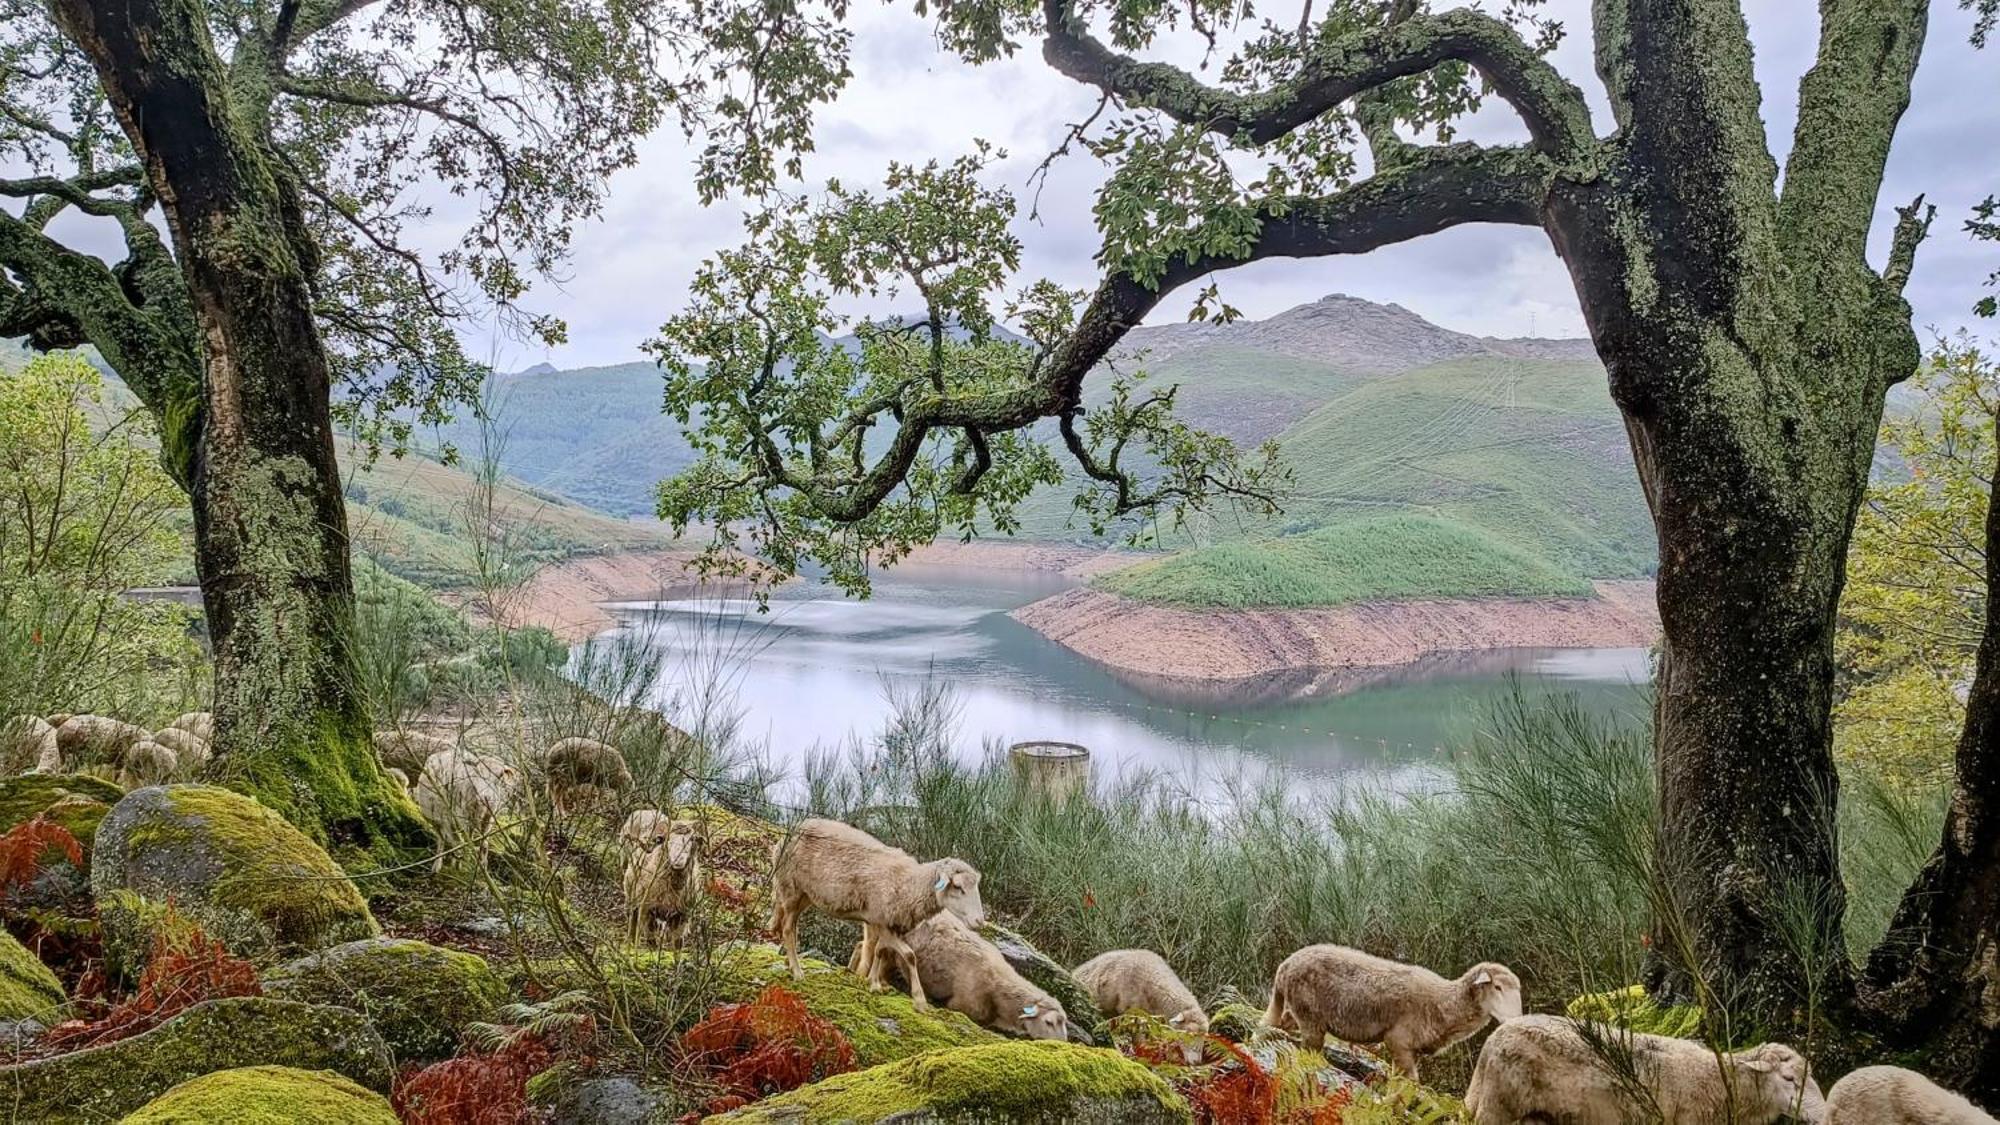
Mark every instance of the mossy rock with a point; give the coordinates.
(1237, 1022)
(27, 988)
(1024, 1082)
(76, 802)
(105, 1083)
(1632, 1007)
(254, 881)
(659, 990)
(418, 996)
(1048, 976)
(267, 1095)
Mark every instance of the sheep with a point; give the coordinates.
(1410, 1010)
(965, 973)
(407, 750)
(662, 873)
(190, 748)
(201, 724)
(583, 770)
(1550, 1068)
(1890, 1095)
(461, 792)
(96, 739)
(28, 742)
(846, 873)
(1140, 980)
(144, 763)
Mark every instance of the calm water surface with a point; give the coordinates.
(818, 669)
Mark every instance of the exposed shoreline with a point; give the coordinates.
(568, 598)
(1219, 646)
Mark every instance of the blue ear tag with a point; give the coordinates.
(1030, 1010)
(942, 881)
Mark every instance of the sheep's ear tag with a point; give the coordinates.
(942, 883)
(1758, 1065)
(1483, 978)
(1030, 1010)
(1177, 1019)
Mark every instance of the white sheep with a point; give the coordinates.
(1549, 1068)
(28, 742)
(408, 750)
(846, 873)
(583, 771)
(144, 763)
(1890, 1095)
(462, 792)
(95, 740)
(1140, 980)
(1410, 1010)
(663, 875)
(190, 748)
(201, 724)
(965, 973)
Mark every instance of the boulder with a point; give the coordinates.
(224, 861)
(76, 803)
(27, 988)
(601, 1101)
(105, 1083)
(1048, 976)
(418, 996)
(266, 1095)
(1024, 1082)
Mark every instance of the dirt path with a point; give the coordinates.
(1222, 645)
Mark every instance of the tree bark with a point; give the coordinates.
(270, 525)
(1934, 981)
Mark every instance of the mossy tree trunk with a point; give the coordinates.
(270, 525)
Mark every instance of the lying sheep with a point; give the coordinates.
(462, 792)
(962, 971)
(201, 724)
(662, 874)
(1549, 1068)
(28, 742)
(407, 750)
(144, 763)
(846, 873)
(190, 748)
(95, 740)
(1140, 980)
(583, 771)
(1890, 1095)
(1410, 1010)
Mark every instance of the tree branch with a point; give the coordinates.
(1338, 69)
(1910, 233)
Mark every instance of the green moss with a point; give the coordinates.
(74, 801)
(1027, 1082)
(332, 786)
(255, 881)
(27, 987)
(267, 1095)
(1235, 1022)
(1631, 1007)
(417, 995)
(105, 1083)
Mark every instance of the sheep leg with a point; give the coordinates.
(891, 944)
(787, 923)
(862, 964)
(1312, 1037)
(1404, 1057)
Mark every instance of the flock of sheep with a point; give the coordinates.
(920, 919)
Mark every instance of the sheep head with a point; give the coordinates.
(683, 844)
(1193, 1022)
(1783, 1081)
(1495, 988)
(955, 887)
(644, 830)
(1043, 1018)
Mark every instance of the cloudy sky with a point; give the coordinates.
(909, 102)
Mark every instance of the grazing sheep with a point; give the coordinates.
(1890, 1095)
(408, 750)
(1410, 1010)
(96, 739)
(461, 792)
(662, 874)
(1140, 980)
(144, 763)
(583, 771)
(201, 724)
(846, 873)
(965, 973)
(1549, 1068)
(27, 742)
(190, 748)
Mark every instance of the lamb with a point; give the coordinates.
(407, 750)
(1410, 1010)
(1549, 1068)
(201, 724)
(581, 771)
(662, 873)
(461, 792)
(27, 742)
(846, 873)
(962, 971)
(1890, 1095)
(95, 739)
(190, 748)
(144, 763)
(1140, 980)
